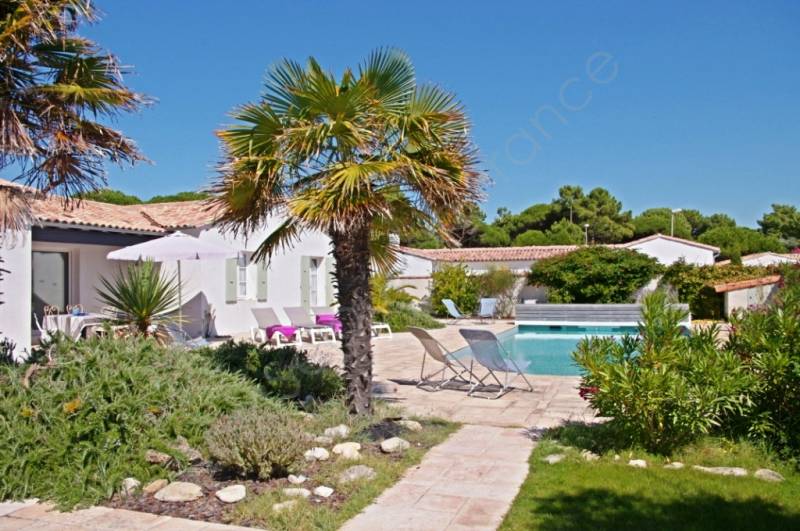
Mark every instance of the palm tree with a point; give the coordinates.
(54, 86)
(356, 157)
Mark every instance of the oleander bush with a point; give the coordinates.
(283, 372)
(663, 388)
(499, 283)
(255, 442)
(767, 340)
(454, 282)
(72, 430)
(594, 274)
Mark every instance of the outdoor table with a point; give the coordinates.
(71, 325)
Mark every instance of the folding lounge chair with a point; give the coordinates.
(449, 362)
(181, 338)
(489, 353)
(302, 319)
(487, 309)
(453, 310)
(270, 328)
(379, 330)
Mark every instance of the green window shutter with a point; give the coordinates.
(261, 280)
(330, 289)
(305, 289)
(231, 266)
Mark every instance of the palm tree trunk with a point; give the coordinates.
(351, 252)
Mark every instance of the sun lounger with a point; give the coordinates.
(450, 364)
(490, 354)
(303, 320)
(179, 337)
(487, 309)
(453, 310)
(270, 328)
(328, 315)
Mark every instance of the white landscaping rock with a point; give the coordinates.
(323, 440)
(394, 445)
(231, 494)
(323, 491)
(317, 454)
(279, 507)
(410, 425)
(768, 475)
(675, 465)
(553, 458)
(130, 485)
(179, 491)
(341, 431)
(638, 463)
(296, 492)
(348, 450)
(354, 473)
(589, 455)
(722, 470)
(296, 480)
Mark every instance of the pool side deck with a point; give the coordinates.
(554, 399)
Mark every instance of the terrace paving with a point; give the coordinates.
(467, 482)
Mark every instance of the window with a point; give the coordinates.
(313, 280)
(241, 271)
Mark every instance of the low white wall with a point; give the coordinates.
(15, 310)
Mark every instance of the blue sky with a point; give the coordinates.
(683, 104)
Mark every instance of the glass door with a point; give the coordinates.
(313, 281)
(50, 280)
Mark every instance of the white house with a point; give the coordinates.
(60, 260)
(417, 265)
(766, 259)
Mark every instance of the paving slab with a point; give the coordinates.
(453, 490)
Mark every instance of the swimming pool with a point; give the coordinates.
(549, 347)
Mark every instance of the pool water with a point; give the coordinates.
(550, 348)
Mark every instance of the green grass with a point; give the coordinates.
(349, 499)
(608, 494)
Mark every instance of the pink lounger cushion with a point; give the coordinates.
(330, 320)
(287, 331)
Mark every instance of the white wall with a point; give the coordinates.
(767, 259)
(411, 266)
(477, 268)
(204, 281)
(743, 299)
(668, 252)
(15, 312)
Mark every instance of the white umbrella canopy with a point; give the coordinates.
(176, 246)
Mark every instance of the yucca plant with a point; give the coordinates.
(142, 296)
(355, 156)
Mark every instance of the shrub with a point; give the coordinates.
(695, 285)
(768, 341)
(385, 296)
(72, 431)
(594, 275)
(499, 283)
(454, 282)
(401, 316)
(662, 388)
(283, 372)
(255, 442)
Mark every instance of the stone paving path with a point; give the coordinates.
(42, 517)
(467, 482)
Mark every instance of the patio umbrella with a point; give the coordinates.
(176, 246)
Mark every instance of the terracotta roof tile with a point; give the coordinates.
(490, 254)
(744, 284)
(155, 218)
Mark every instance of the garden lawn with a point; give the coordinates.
(348, 499)
(608, 494)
